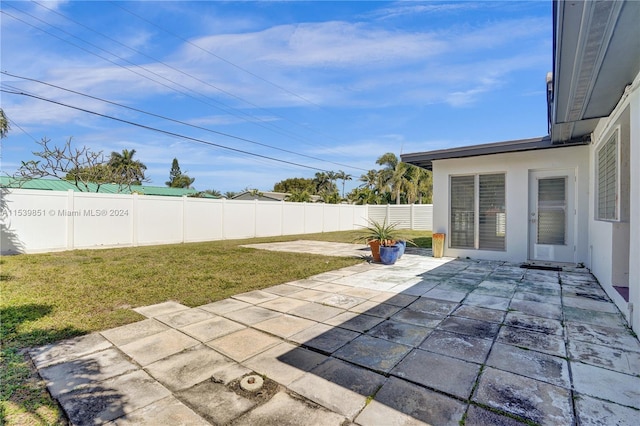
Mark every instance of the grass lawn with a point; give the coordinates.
(53, 296)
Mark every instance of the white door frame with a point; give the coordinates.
(565, 253)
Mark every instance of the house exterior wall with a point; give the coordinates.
(615, 245)
(610, 249)
(634, 209)
(516, 167)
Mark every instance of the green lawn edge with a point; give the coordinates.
(49, 297)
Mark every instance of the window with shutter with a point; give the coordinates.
(552, 211)
(463, 211)
(491, 214)
(477, 214)
(607, 184)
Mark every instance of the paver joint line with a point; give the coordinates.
(424, 341)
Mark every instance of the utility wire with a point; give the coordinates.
(178, 121)
(183, 72)
(147, 70)
(284, 89)
(166, 132)
(13, 123)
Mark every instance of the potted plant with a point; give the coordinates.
(402, 244)
(389, 253)
(381, 237)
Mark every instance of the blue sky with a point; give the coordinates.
(323, 85)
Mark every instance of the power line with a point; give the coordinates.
(186, 73)
(230, 109)
(13, 123)
(284, 89)
(178, 121)
(166, 132)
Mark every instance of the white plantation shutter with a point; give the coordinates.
(607, 204)
(491, 212)
(552, 211)
(462, 211)
(477, 214)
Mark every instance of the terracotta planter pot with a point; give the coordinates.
(437, 243)
(375, 250)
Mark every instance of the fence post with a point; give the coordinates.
(224, 212)
(366, 212)
(412, 216)
(281, 217)
(184, 220)
(134, 219)
(70, 220)
(255, 218)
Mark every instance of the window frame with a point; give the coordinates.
(457, 225)
(613, 137)
(476, 212)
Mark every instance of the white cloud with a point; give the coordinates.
(328, 63)
(332, 44)
(363, 66)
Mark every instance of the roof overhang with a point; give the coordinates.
(596, 55)
(425, 159)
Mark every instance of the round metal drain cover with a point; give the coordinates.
(251, 383)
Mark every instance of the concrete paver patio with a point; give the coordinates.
(424, 341)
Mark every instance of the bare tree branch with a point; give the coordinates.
(86, 169)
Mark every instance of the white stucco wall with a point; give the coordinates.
(634, 209)
(615, 246)
(516, 167)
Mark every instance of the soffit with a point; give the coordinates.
(596, 55)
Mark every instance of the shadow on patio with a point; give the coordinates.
(459, 340)
(437, 341)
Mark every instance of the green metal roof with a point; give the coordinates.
(107, 188)
(43, 184)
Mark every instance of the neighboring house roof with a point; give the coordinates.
(107, 188)
(262, 196)
(43, 184)
(596, 55)
(269, 196)
(425, 159)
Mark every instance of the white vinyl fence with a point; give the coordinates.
(406, 216)
(42, 221)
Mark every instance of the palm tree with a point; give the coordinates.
(4, 124)
(125, 167)
(299, 197)
(321, 182)
(343, 177)
(332, 176)
(364, 195)
(371, 179)
(330, 197)
(394, 177)
(422, 182)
